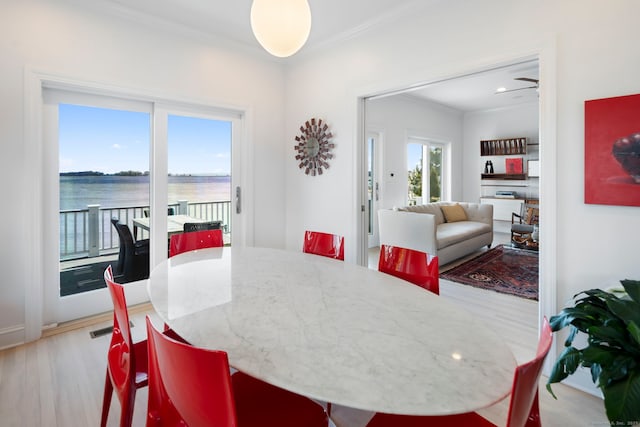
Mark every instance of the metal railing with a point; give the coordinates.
(89, 232)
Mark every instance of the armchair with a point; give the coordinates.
(524, 224)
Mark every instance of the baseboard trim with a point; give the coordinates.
(92, 320)
(581, 380)
(12, 336)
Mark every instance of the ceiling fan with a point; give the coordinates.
(524, 79)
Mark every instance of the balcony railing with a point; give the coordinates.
(89, 233)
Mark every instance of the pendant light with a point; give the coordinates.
(281, 26)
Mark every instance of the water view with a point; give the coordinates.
(114, 191)
(103, 153)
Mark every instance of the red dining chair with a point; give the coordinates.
(523, 408)
(183, 242)
(192, 386)
(413, 266)
(325, 244)
(126, 360)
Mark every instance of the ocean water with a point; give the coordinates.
(76, 192)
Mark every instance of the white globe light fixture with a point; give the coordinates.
(281, 26)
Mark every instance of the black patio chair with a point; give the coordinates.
(170, 211)
(133, 258)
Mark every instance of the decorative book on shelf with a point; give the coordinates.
(513, 165)
(503, 147)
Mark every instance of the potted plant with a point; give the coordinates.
(612, 325)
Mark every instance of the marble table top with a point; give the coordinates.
(333, 331)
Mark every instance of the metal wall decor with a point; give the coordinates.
(313, 148)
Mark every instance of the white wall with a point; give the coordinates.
(67, 40)
(516, 121)
(400, 117)
(596, 56)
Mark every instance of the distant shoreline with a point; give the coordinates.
(134, 173)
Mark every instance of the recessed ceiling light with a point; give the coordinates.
(501, 89)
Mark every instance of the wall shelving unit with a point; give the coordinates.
(496, 151)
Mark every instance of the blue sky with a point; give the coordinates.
(414, 156)
(110, 141)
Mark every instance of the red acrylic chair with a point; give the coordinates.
(184, 242)
(410, 265)
(523, 408)
(325, 244)
(192, 386)
(126, 360)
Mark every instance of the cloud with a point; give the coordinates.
(116, 146)
(222, 155)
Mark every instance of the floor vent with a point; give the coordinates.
(104, 331)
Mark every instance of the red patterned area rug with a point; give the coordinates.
(501, 269)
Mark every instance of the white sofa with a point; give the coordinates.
(424, 228)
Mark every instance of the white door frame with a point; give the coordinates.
(373, 238)
(37, 316)
(546, 54)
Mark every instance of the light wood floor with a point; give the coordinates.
(59, 380)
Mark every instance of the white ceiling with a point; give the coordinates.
(333, 20)
(478, 91)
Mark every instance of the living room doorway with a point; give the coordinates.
(465, 160)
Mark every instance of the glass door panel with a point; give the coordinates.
(423, 155)
(97, 168)
(199, 172)
(435, 173)
(104, 175)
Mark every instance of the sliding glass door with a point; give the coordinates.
(135, 163)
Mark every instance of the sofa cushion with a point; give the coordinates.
(454, 213)
(451, 233)
(429, 208)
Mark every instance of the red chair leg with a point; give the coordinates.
(126, 417)
(106, 400)
(534, 414)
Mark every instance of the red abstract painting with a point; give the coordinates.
(612, 151)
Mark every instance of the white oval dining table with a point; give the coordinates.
(332, 330)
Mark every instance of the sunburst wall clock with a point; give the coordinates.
(313, 148)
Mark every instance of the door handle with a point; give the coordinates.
(238, 200)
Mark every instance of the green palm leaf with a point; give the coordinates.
(632, 287)
(621, 400)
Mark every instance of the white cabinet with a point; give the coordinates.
(503, 208)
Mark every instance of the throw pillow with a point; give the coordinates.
(453, 213)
